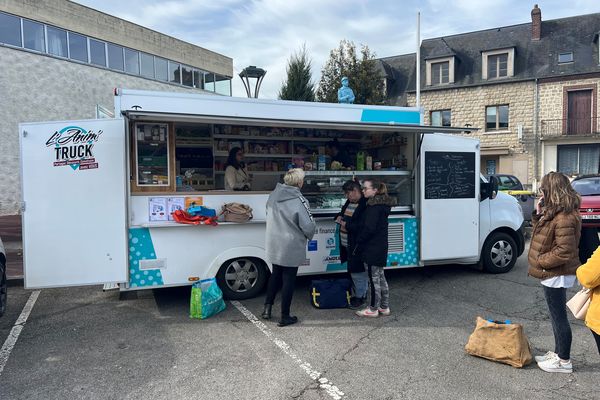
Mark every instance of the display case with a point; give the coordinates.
(152, 161)
(323, 189)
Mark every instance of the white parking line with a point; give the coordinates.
(323, 382)
(11, 340)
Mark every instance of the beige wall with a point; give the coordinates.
(468, 107)
(85, 20)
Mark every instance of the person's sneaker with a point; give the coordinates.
(356, 303)
(367, 312)
(384, 311)
(556, 365)
(547, 356)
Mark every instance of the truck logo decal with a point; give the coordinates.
(73, 146)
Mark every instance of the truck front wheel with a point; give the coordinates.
(499, 253)
(242, 278)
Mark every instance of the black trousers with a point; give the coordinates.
(283, 278)
(556, 298)
(597, 337)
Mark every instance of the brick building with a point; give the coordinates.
(61, 61)
(531, 88)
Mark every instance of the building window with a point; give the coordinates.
(33, 36)
(97, 53)
(78, 47)
(198, 79)
(57, 41)
(565, 57)
(441, 118)
(132, 61)
(496, 118)
(497, 63)
(209, 82)
(579, 160)
(10, 30)
(187, 79)
(174, 72)
(39, 37)
(440, 73)
(147, 65)
(498, 66)
(222, 85)
(115, 57)
(161, 69)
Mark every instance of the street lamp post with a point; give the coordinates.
(252, 72)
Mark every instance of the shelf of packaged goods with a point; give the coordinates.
(257, 172)
(284, 138)
(380, 172)
(253, 155)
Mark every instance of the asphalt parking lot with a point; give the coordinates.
(83, 343)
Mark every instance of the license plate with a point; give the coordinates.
(590, 216)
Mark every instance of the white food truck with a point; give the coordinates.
(98, 194)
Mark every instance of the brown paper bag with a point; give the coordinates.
(505, 343)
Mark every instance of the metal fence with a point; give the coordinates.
(570, 127)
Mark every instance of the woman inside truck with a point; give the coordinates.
(236, 175)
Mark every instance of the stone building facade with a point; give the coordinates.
(530, 89)
(507, 150)
(44, 83)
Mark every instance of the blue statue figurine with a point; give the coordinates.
(345, 94)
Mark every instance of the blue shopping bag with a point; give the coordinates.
(206, 299)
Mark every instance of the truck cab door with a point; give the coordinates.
(74, 193)
(449, 197)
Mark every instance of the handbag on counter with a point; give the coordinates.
(580, 303)
(236, 212)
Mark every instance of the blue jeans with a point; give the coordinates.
(360, 284)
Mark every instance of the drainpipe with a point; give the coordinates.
(536, 136)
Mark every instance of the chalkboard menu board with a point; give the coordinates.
(449, 175)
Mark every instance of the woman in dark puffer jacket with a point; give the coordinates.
(554, 258)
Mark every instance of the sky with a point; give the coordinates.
(266, 33)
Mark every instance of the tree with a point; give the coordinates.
(298, 85)
(365, 79)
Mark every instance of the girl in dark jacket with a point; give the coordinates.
(372, 245)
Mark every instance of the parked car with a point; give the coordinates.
(588, 187)
(508, 182)
(513, 186)
(3, 284)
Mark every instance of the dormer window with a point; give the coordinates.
(565, 57)
(497, 64)
(439, 71)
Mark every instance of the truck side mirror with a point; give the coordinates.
(489, 190)
(493, 187)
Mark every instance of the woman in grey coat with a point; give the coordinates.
(289, 225)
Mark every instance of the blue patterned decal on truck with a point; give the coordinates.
(410, 255)
(142, 248)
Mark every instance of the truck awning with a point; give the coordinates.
(370, 126)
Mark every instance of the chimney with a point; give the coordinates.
(536, 23)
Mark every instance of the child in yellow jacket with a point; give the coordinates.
(589, 276)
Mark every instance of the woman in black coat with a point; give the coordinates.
(372, 246)
(350, 220)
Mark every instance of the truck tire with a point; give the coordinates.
(499, 253)
(242, 278)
